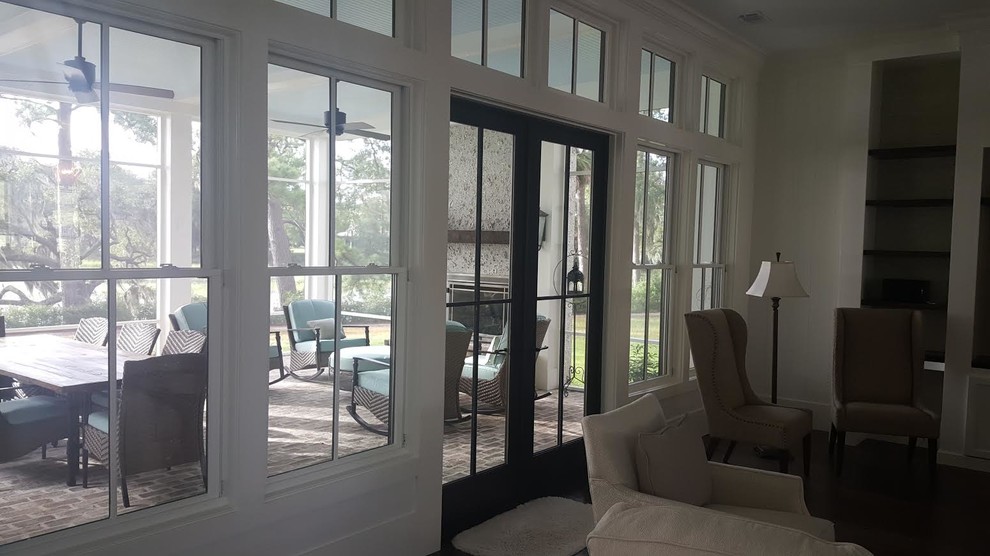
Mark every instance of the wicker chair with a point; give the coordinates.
(493, 369)
(309, 353)
(160, 418)
(184, 341)
(138, 337)
(458, 340)
(94, 330)
(29, 423)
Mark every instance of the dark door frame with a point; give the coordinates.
(560, 470)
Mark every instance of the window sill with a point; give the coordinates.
(349, 475)
(662, 388)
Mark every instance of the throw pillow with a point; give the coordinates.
(327, 328)
(671, 464)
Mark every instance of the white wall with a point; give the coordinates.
(810, 190)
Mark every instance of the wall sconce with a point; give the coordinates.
(575, 279)
(542, 229)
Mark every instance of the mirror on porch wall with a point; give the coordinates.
(101, 273)
(479, 295)
(332, 295)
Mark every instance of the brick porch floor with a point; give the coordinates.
(35, 500)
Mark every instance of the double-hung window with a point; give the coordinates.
(107, 165)
(334, 265)
(708, 265)
(652, 268)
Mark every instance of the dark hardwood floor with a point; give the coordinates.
(884, 503)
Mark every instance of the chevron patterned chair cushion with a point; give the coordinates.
(138, 337)
(92, 331)
(184, 341)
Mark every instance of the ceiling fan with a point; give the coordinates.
(342, 126)
(80, 76)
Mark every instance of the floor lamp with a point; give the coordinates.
(776, 279)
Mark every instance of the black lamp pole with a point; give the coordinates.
(773, 369)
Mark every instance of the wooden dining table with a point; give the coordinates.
(67, 368)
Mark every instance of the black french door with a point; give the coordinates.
(526, 268)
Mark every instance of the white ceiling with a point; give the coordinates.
(809, 24)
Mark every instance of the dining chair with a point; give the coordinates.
(184, 341)
(138, 337)
(92, 330)
(160, 418)
(31, 422)
(735, 413)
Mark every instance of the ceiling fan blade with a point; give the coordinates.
(139, 90)
(32, 81)
(357, 125)
(369, 134)
(296, 123)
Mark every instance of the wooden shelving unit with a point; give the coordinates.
(910, 187)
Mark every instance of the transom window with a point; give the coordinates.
(656, 87)
(373, 15)
(488, 33)
(577, 57)
(712, 106)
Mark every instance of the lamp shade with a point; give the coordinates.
(777, 279)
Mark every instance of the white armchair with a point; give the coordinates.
(610, 443)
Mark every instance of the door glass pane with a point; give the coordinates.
(373, 15)
(458, 379)
(565, 199)
(576, 358)
(580, 163)
(505, 32)
(496, 202)
(561, 52)
(551, 372)
(298, 169)
(466, 21)
(588, 82)
(663, 89)
(363, 176)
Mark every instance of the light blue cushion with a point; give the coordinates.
(101, 399)
(485, 372)
(192, 316)
(376, 381)
(378, 353)
(100, 420)
(302, 311)
(34, 409)
(453, 325)
(327, 346)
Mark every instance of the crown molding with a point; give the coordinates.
(675, 14)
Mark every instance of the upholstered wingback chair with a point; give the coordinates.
(879, 358)
(735, 413)
(610, 441)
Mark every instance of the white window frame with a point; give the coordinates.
(676, 110)
(523, 43)
(703, 111)
(667, 268)
(210, 264)
(397, 269)
(592, 19)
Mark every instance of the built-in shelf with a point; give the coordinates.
(914, 152)
(907, 254)
(909, 203)
(884, 304)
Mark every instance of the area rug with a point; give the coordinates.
(543, 527)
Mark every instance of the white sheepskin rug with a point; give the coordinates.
(543, 527)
